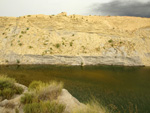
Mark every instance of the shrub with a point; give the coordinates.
(34, 85)
(110, 41)
(16, 110)
(18, 61)
(27, 98)
(23, 32)
(7, 93)
(57, 45)
(36, 102)
(8, 88)
(50, 92)
(30, 47)
(20, 44)
(71, 43)
(18, 90)
(44, 107)
(46, 91)
(20, 36)
(6, 82)
(27, 28)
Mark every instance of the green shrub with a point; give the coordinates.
(30, 47)
(20, 44)
(27, 29)
(18, 61)
(8, 88)
(71, 43)
(20, 36)
(110, 41)
(36, 102)
(57, 45)
(50, 92)
(23, 32)
(44, 107)
(6, 82)
(16, 110)
(7, 93)
(46, 91)
(28, 98)
(34, 85)
(18, 90)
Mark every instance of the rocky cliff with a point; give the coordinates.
(75, 40)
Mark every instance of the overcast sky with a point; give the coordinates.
(83, 7)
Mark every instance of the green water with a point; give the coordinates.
(120, 89)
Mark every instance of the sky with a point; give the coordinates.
(82, 7)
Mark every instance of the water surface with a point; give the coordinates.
(124, 89)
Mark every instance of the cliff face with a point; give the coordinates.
(75, 40)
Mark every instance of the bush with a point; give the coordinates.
(44, 107)
(34, 85)
(8, 88)
(19, 90)
(36, 102)
(71, 43)
(27, 98)
(46, 91)
(57, 45)
(110, 41)
(6, 82)
(7, 93)
(50, 91)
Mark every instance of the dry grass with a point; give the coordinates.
(91, 107)
(41, 98)
(44, 107)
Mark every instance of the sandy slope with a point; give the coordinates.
(112, 39)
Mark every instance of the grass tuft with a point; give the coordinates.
(28, 98)
(41, 98)
(44, 107)
(91, 107)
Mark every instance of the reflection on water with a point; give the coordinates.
(122, 89)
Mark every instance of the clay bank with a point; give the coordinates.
(75, 40)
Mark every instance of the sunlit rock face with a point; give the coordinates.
(75, 40)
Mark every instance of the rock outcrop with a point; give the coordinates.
(75, 40)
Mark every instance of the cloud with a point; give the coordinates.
(123, 8)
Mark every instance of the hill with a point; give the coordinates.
(75, 40)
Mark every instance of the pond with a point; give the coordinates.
(120, 89)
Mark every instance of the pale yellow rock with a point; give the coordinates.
(120, 40)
